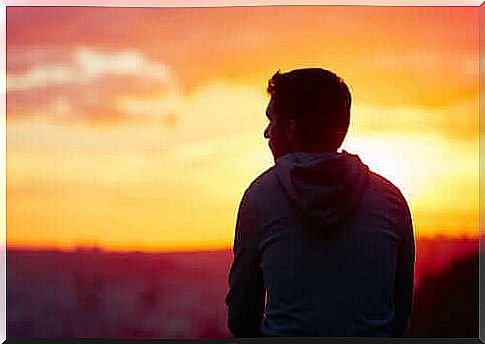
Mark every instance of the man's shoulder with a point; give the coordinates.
(263, 183)
(389, 194)
(385, 194)
(384, 186)
(380, 182)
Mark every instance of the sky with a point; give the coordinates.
(140, 128)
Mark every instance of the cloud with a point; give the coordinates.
(40, 77)
(88, 65)
(88, 83)
(131, 63)
(169, 104)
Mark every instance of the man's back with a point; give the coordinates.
(331, 243)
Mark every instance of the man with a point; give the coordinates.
(328, 242)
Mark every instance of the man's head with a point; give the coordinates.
(309, 110)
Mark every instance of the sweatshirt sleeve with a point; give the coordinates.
(246, 296)
(404, 276)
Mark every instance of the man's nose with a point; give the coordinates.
(266, 133)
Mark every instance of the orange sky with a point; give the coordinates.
(141, 127)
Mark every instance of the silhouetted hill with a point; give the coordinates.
(436, 255)
(447, 305)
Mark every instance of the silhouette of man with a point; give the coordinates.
(327, 241)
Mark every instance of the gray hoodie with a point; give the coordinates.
(326, 187)
(329, 245)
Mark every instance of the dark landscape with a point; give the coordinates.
(95, 293)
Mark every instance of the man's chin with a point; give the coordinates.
(273, 151)
(278, 150)
(276, 154)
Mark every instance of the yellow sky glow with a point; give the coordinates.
(146, 139)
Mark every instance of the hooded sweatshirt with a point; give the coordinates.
(322, 247)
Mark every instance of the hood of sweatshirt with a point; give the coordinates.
(327, 187)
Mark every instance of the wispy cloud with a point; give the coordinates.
(88, 65)
(87, 84)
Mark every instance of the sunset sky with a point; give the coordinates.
(140, 128)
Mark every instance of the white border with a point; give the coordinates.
(214, 3)
(139, 3)
(3, 173)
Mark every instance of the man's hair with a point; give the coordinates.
(319, 102)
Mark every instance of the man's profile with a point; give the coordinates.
(328, 242)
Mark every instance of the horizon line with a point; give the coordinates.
(100, 248)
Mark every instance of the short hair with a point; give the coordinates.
(319, 102)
